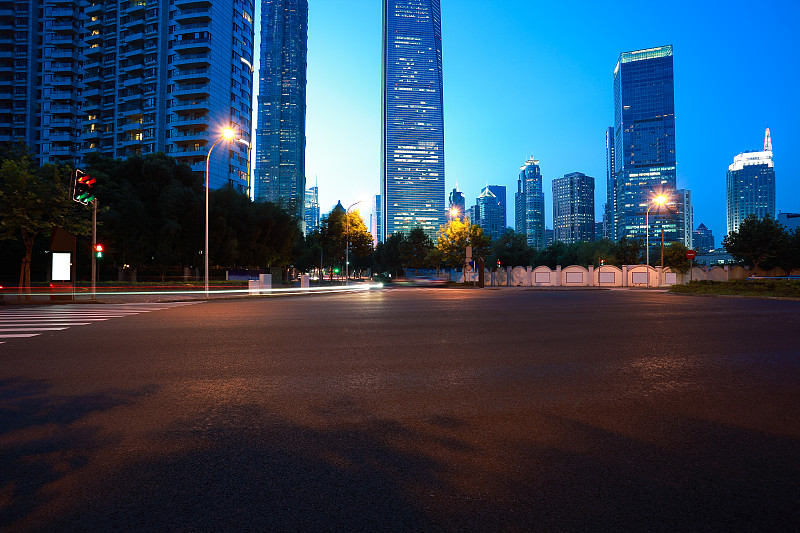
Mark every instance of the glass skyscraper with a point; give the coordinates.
(573, 208)
(412, 151)
(281, 128)
(529, 204)
(751, 185)
(311, 213)
(456, 208)
(609, 231)
(644, 144)
(490, 215)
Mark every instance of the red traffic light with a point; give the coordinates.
(98, 247)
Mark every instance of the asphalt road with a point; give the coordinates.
(409, 410)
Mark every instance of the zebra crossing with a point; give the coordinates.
(28, 322)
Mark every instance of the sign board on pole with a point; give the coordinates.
(691, 254)
(469, 253)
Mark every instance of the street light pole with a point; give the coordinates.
(347, 244)
(659, 200)
(227, 134)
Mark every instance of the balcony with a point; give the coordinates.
(189, 4)
(131, 126)
(192, 60)
(94, 9)
(63, 137)
(63, 110)
(134, 6)
(64, 27)
(193, 105)
(191, 74)
(193, 15)
(194, 90)
(192, 45)
(62, 81)
(64, 41)
(184, 121)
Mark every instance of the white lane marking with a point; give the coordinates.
(23, 323)
(20, 330)
(18, 335)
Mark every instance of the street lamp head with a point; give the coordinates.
(660, 199)
(228, 133)
(454, 212)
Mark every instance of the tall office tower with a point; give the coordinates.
(644, 143)
(611, 186)
(489, 214)
(703, 239)
(456, 206)
(132, 78)
(472, 214)
(311, 212)
(412, 151)
(281, 127)
(685, 219)
(375, 220)
(529, 204)
(573, 208)
(751, 185)
(500, 192)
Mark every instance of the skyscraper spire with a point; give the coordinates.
(767, 141)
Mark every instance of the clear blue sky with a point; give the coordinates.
(535, 78)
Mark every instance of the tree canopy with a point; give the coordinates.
(757, 241)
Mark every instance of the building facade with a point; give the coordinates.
(751, 185)
(702, 239)
(500, 192)
(790, 220)
(311, 210)
(375, 220)
(489, 214)
(122, 79)
(644, 144)
(456, 205)
(281, 123)
(412, 149)
(573, 208)
(685, 212)
(609, 212)
(529, 204)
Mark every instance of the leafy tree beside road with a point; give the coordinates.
(32, 201)
(757, 241)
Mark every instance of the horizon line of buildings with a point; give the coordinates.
(135, 77)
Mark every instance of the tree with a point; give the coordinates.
(335, 227)
(455, 236)
(675, 258)
(414, 249)
(758, 240)
(389, 257)
(511, 249)
(627, 252)
(33, 201)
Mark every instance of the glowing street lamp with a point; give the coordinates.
(453, 213)
(227, 134)
(659, 201)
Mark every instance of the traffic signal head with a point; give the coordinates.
(602, 262)
(98, 250)
(82, 187)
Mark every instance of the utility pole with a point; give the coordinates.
(94, 249)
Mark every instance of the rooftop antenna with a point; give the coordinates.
(767, 141)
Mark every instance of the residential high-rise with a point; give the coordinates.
(489, 214)
(456, 206)
(751, 185)
(412, 151)
(644, 143)
(573, 208)
(609, 223)
(375, 220)
(685, 218)
(281, 127)
(311, 212)
(703, 239)
(131, 78)
(529, 204)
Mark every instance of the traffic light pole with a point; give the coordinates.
(94, 247)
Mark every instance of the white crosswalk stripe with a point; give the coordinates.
(29, 322)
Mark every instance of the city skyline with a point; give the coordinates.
(558, 100)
